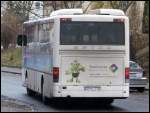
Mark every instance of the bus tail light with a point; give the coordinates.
(119, 20)
(65, 19)
(55, 74)
(127, 74)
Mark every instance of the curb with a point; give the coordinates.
(18, 103)
(11, 66)
(11, 72)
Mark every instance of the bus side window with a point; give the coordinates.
(36, 37)
(44, 33)
(51, 30)
(32, 33)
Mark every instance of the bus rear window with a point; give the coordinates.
(92, 33)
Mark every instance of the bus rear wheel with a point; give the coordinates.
(30, 92)
(109, 101)
(44, 98)
(106, 102)
(141, 89)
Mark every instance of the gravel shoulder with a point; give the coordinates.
(13, 105)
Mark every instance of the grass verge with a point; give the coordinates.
(11, 57)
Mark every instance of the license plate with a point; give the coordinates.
(91, 88)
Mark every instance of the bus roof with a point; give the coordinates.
(44, 20)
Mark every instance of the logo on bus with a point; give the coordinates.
(113, 68)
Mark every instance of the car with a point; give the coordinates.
(137, 80)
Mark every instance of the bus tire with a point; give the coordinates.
(141, 90)
(107, 102)
(30, 92)
(44, 98)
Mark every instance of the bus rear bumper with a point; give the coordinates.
(98, 92)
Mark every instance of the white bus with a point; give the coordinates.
(76, 55)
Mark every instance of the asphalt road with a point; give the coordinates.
(11, 86)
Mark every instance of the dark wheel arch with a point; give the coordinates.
(44, 98)
(26, 75)
(42, 84)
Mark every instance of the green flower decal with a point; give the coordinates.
(74, 71)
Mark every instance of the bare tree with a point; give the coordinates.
(9, 28)
(55, 5)
(50, 6)
(146, 17)
(134, 10)
(72, 4)
(13, 15)
(21, 9)
(87, 7)
(135, 14)
(124, 5)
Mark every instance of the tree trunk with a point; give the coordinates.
(135, 14)
(5, 46)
